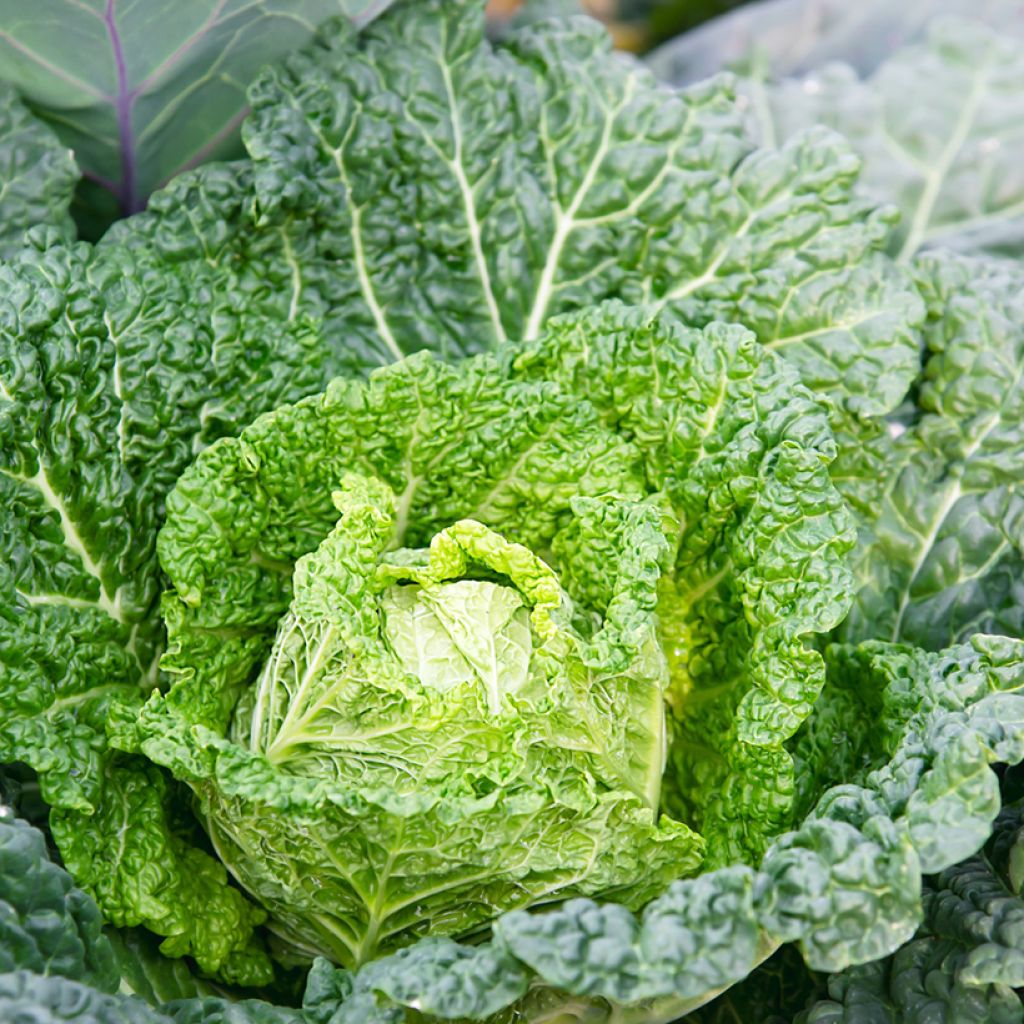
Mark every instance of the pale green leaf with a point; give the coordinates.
(938, 130)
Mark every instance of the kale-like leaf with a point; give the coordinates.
(37, 176)
(965, 961)
(941, 547)
(419, 187)
(47, 924)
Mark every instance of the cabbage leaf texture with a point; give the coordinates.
(337, 679)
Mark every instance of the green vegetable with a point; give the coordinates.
(539, 640)
(47, 926)
(141, 92)
(845, 884)
(403, 218)
(395, 667)
(941, 546)
(937, 128)
(970, 939)
(37, 176)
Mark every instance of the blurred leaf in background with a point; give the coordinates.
(635, 25)
(779, 38)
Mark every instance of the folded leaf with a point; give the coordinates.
(47, 926)
(451, 731)
(628, 190)
(739, 451)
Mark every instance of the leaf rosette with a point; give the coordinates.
(432, 635)
(427, 725)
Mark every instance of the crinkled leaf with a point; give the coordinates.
(104, 395)
(47, 925)
(915, 986)
(36, 999)
(740, 453)
(446, 979)
(702, 935)
(37, 176)
(141, 866)
(845, 886)
(843, 893)
(362, 732)
(968, 955)
(626, 190)
(941, 553)
(911, 735)
(221, 1011)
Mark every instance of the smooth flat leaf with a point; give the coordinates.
(141, 92)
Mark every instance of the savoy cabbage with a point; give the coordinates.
(675, 584)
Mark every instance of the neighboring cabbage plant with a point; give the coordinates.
(425, 630)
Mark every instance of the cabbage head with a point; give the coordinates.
(458, 640)
(410, 729)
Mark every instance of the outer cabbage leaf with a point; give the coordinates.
(145, 971)
(37, 175)
(796, 37)
(137, 855)
(142, 93)
(968, 956)
(941, 551)
(432, 753)
(409, 216)
(35, 999)
(47, 926)
(771, 994)
(104, 395)
(740, 452)
(937, 128)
